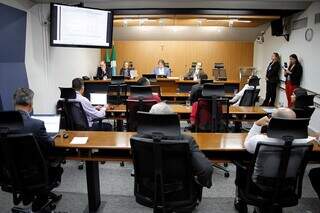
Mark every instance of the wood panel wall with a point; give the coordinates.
(180, 55)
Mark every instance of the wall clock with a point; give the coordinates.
(308, 34)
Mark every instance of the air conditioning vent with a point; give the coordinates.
(317, 18)
(299, 23)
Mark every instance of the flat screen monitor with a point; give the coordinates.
(80, 26)
(51, 122)
(98, 98)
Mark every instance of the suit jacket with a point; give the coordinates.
(295, 77)
(190, 73)
(196, 92)
(101, 74)
(167, 71)
(273, 72)
(201, 166)
(37, 128)
(125, 72)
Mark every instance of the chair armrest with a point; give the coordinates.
(239, 164)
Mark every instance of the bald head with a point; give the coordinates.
(161, 108)
(284, 113)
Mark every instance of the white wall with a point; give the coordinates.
(50, 67)
(308, 52)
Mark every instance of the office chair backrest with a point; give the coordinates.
(24, 165)
(140, 91)
(249, 97)
(165, 124)
(193, 64)
(150, 77)
(117, 93)
(67, 93)
(76, 116)
(254, 81)
(208, 115)
(1, 105)
(210, 90)
(304, 101)
(10, 120)
(132, 108)
(156, 89)
(279, 169)
(218, 66)
(163, 172)
(281, 128)
(304, 112)
(117, 79)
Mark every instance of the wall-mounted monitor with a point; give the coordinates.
(80, 27)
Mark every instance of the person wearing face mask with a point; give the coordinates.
(293, 76)
(272, 78)
(103, 71)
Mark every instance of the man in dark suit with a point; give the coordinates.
(23, 100)
(103, 71)
(196, 90)
(195, 73)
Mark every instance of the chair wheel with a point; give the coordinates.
(80, 167)
(52, 206)
(122, 164)
(225, 164)
(226, 174)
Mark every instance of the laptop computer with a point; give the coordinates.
(98, 98)
(51, 122)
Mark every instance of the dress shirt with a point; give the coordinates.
(161, 71)
(196, 74)
(237, 98)
(254, 136)
(91, 111)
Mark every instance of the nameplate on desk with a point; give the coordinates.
(79, 140)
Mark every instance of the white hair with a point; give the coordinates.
(161, 108)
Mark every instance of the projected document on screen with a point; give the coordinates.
(80, 26)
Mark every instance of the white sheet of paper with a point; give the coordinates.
(79, 140)
(269, 110)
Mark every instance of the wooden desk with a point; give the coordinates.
(167, 85)
(245, 110)
(216, 146)
(177, 108)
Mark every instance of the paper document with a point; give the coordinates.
(269, 110)
(79, 140)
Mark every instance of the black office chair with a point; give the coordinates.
(274, 177)
(132, 108)
(23, 169)
(75, 116)
(163, 175)
(156, 89)
(249, 97)
(151, 77)
(117, 90)
(304, 106)
(137, 91)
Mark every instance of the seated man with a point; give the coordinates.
(23, 101)
(103, 71)
(254, 136)
(237, 98)
(196, 90)
(91, 111)
(195, 73)
(202, 167)
(145, 82)
(161, 69)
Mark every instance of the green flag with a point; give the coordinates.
(107, 58)
(113, 60)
